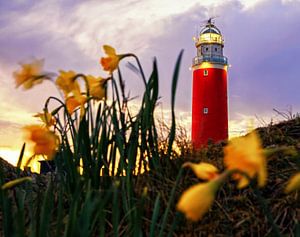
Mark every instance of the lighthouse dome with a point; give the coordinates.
(210, 34)
(210, 29)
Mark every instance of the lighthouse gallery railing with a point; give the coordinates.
(210, 58)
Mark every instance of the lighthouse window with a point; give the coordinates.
(206, 49)
(205, 72)
(216, 49)
(205, 110)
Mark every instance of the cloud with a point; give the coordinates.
(260, 49)
(10, 134)
(259, 42)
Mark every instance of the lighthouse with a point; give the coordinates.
(209, 99)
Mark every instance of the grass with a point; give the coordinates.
(127, 201)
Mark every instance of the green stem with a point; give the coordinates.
(170, 203)
(262, 202)
(140, 67)
(266, 210)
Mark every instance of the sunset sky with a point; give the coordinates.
(262, 42)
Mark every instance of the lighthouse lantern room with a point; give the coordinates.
(209, 100)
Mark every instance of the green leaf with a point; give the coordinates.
(21, 158)
(170, 203)
(15, 182)
(174, 86)
(155, 216)
(46, 211)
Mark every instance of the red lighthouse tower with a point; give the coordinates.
(209, 102)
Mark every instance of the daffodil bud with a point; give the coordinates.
(203, 170)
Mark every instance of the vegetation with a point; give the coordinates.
(117, 174)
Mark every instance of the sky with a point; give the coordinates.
(261, 42)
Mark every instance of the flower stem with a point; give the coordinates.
(261, 200)
(266, 210)
(140, 67)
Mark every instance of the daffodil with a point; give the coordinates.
(203, 170)
(65, 81)
(111, 62)
(246, 155)
(197, 200)
(45, 142)
(46, 118)
(293, 183)
(30, 74)
(96, 87)
(73, 102)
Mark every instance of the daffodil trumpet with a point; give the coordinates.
(196, 201)
(111, 62)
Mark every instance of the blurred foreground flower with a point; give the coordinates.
(15, 182)
(73, 102)
(46, 118)
(30, 74)
(45, 141)
(96, 87)
(65, 81)
(203, 170)
(197, 200)
(246, 155)
(293, 183)
(111, 62)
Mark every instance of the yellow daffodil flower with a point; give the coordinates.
(203, 170)
(30, 74)
(65, 81)
(15, 182)
(46, 118)
(246, 155)
(197, 200)
(111, 62)
(73, 102)
(96, 87)
(293, 183)
(45, 141)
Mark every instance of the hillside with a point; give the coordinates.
(235, 212)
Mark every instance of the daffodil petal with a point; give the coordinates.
(293, 183)
(109, 50)
(246, 155)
